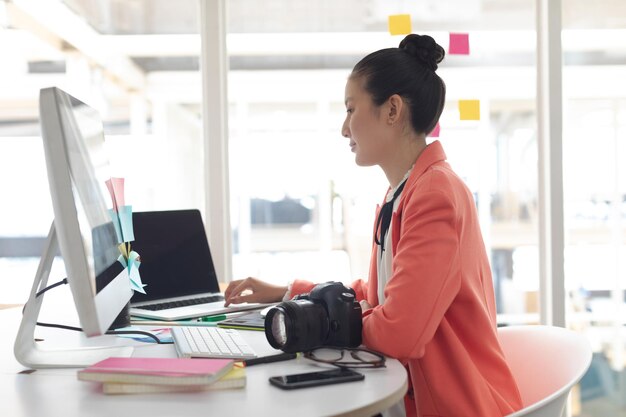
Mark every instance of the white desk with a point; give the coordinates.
(57, 392)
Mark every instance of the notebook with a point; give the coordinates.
(248, 321)
(157, 371)
(177, 268)
(235, 378)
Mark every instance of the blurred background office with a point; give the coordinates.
(298, 207)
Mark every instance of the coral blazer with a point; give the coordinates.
(439, 315)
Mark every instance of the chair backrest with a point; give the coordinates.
(546, 362)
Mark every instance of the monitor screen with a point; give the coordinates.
(89, 171)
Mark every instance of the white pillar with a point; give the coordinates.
(550, 146)
(214, 67)
(243, 193)
(617, 233)
(324, 200)
(487, 155)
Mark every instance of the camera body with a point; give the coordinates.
(329, 315)
(344, 313)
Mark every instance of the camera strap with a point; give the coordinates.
(384, 218)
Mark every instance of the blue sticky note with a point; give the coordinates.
(122, 260)
(116, 224)
(125, 214)
(135, 287)
(133, 257)
(135, 279)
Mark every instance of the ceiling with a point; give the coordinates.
(134, 45)
(134, 17)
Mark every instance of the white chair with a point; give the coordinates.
(546, 362)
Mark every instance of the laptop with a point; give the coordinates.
(177, 268)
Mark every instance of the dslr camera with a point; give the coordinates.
(329, 315)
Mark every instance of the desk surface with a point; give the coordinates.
(57, 392)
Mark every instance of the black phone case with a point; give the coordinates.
(342, 376)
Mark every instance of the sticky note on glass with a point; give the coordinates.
(435, 132)
(459, 44)
(400, 24)
(469, 109)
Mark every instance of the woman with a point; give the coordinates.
(429, 300)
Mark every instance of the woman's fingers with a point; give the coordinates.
(252, 290)
(234, 291)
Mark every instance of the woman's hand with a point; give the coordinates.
(253, 290)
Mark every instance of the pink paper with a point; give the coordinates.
(116, 189)
(459, 44)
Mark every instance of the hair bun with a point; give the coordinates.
(424, 49)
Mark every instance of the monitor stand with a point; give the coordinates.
(26, 350)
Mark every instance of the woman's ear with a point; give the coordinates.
(395, 108)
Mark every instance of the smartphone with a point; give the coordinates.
(313, 379)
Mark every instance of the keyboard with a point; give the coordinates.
(210, 342)
(182, 303)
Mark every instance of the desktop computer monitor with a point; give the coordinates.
(77, 164)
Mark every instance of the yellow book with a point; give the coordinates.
(235, 378)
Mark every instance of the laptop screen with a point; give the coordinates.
(175, 256)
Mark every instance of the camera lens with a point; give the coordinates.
(276, 323)
(296, 326)
(279, 331)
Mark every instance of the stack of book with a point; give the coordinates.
(158, 375)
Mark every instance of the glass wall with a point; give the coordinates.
(595, 200)
(152, 125)
(496, 156)
(301, 208)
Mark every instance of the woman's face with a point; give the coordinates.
(364, 125)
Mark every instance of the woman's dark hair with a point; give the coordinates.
(409, 71)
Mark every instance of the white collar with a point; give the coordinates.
(393, 190)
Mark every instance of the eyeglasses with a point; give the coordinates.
(347, 357)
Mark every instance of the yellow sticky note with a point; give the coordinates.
(469, 109)
(122, 248)
(400, 24)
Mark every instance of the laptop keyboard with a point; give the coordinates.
(182, 303)
(210, 342)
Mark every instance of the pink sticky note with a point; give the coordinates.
(116, 189)
(459, 44)
(435, 132)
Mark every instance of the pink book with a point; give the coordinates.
(157, 371)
